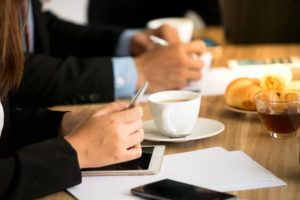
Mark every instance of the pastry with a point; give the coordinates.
(240, 93)
(276, 78)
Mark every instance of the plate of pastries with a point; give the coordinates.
(240, 93)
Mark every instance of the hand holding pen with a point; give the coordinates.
(161, 42)
(158, 40)
(137, 97)
(169, 67)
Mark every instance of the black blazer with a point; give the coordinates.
(66, 67)
(34, 161)
(136, 13)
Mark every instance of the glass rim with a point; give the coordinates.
(297, 101)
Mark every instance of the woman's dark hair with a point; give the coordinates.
(11, 51)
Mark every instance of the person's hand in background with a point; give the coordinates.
(109, 135)
(141, 43)
(170, 67)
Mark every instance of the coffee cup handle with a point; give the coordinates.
(166, 113)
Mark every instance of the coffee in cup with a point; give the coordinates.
(175, 112)
(173, 100)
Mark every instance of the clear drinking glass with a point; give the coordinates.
(279, 111)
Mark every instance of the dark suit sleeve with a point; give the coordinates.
(51, 81)
(84, 41)
(39, 169)
(66, 67)
(34, 161)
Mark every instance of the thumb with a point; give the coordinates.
(196, 46)
(141, 43)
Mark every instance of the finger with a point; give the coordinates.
(110, 108)
(196, 46)
(135, 138)
(134, 152)
(168, 33)
(133, 126)
(146, 43)
(155, 87)
(179, 83)
(129, 115)
(194, 75)
(196, 63)
(143, 42)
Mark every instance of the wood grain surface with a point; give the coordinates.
(242, 131)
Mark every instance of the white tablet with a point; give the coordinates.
(149, 163)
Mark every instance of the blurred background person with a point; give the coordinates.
(71, 64)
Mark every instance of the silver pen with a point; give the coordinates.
(159, 41)
(137, 97)
(162, 42)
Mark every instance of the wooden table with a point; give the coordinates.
(243, 131)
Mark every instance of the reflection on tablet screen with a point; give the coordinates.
(141, 163)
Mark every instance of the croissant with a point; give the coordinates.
(276, 78)
(240, 93)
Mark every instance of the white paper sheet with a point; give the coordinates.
(217, 79)
(213, 168)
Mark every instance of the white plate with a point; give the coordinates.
(204, 128)
(238, 110)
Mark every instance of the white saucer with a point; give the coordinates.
(238, 110)
(204, 128)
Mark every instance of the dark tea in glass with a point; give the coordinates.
(280, 112)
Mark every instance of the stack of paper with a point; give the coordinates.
(213, 168)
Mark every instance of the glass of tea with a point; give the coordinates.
(279, 111)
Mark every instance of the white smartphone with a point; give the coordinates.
(149, 163)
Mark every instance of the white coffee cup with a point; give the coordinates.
(184, 26)
(175, 112)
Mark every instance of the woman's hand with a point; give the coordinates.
(71, 119)
(109, 135)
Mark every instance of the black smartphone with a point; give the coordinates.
(170, 189)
